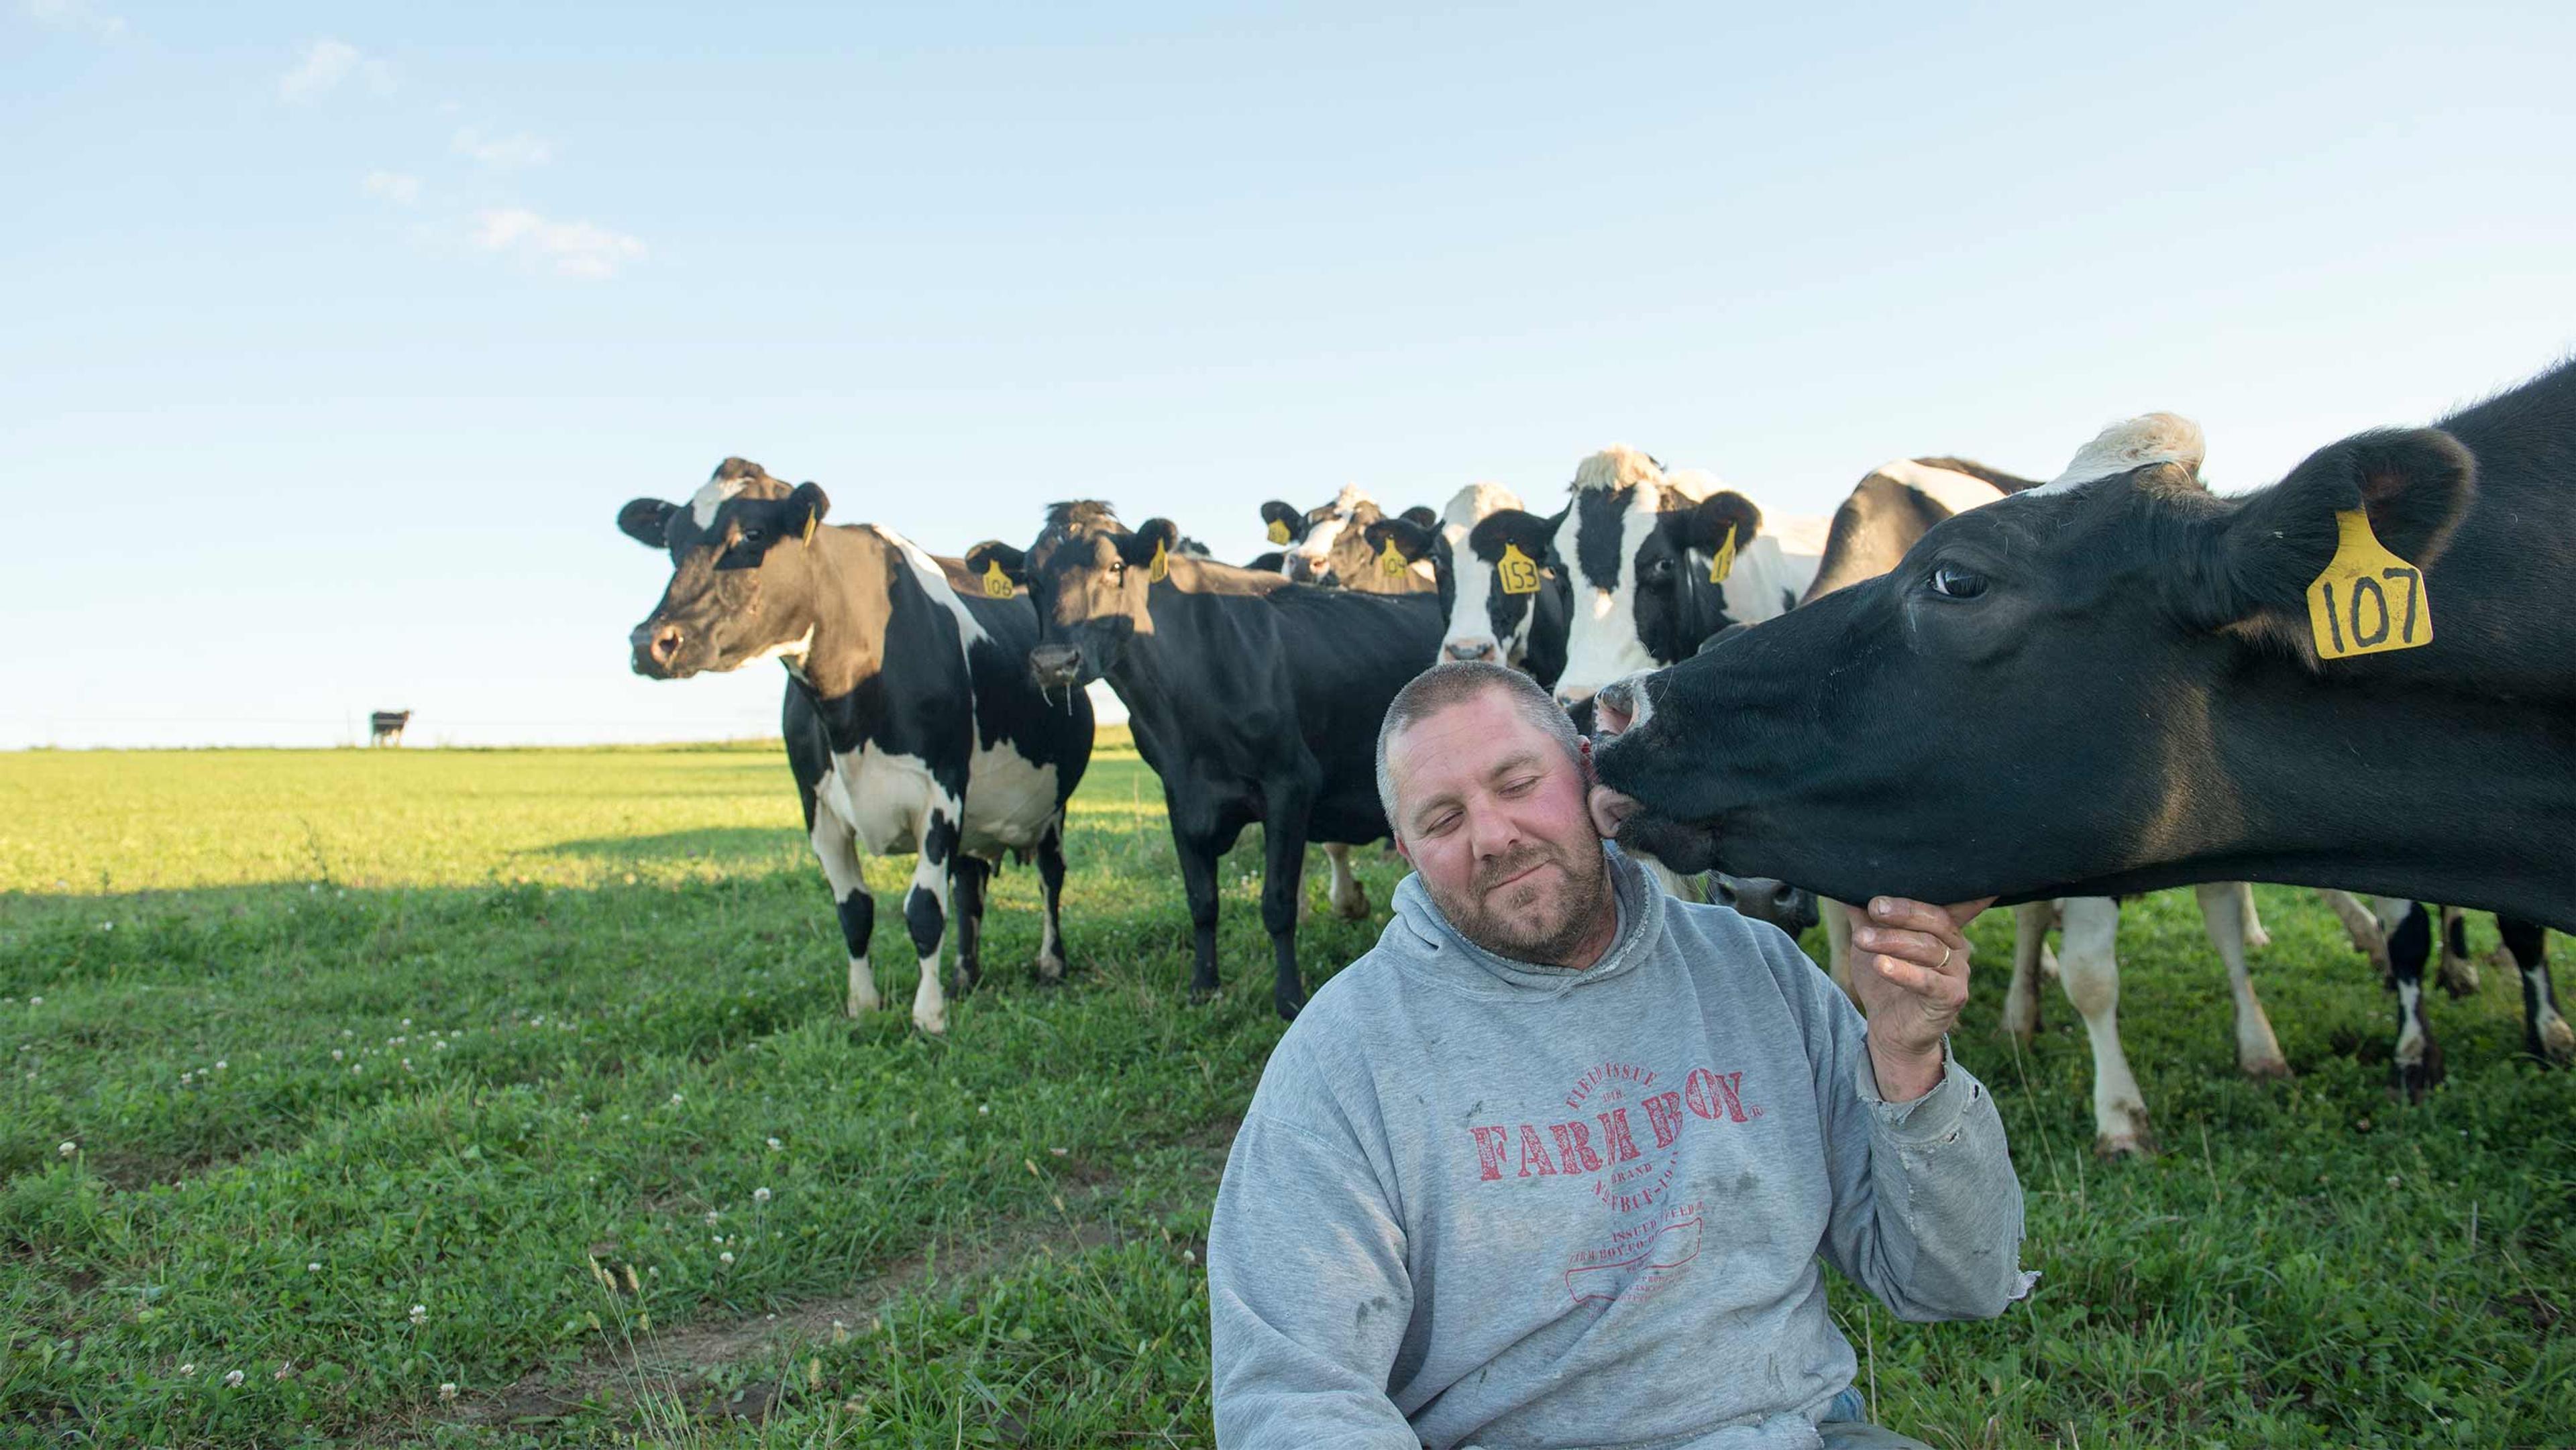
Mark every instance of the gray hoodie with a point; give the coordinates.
(1477, 1202)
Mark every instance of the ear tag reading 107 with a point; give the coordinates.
(1724, 563)
(997, 585)
(1278, 531)
(2368, 601)
(1161, 568)
(1518, 572)
(1391, 563)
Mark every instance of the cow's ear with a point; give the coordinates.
(805, 509)
(1270, 563)
(1421, 514)
(1412, 538)
(1286, 525)
(1715, 515)
(1153, 538)
(2413, 485)
(647, 521)
(992, 554)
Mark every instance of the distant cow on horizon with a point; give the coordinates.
(385, 727)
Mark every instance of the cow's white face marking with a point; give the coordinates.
(1471, 620)
(1317, 547)
(1957, 492)
(1601, 641)
(1468, 507)
(702, 509)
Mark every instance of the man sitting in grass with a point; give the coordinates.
(1553, 1163)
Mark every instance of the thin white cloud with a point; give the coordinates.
(78, 15)
(573, 249)
(392, 186)
(508, 153)
(326, 64)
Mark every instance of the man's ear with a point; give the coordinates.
(1714, 515)
(991, 552)
(2414, 485)
(647, 521)
(1398, 838)
(1412, 539)
(1286, 525)
(1421, 515)
(805, 509)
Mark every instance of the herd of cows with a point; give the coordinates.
(1964, 683)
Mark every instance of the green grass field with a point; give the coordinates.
(334, 1080)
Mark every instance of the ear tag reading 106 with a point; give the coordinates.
(1391, 563)
(1724, 563)
(1278, 531)
(997, 585)
(2368, 601)
(1161, 568)
(1517, 571)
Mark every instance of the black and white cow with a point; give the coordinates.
(2359, 675)
(1661, 562)
(1896, 504)
(1252, 697)
(1326, 545)
(2416, 1058)
(912, 725)
(1502, 589)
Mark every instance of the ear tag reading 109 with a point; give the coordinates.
(1391, 563)
(1161, 568)
(1724, 563)
(1517, 571)
(1278, 531)
(997, 585)
(2368, 601)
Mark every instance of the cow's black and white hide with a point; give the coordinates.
(912, 725)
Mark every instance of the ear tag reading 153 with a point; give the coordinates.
(1391, 563)
(1519, 574)
(1278, 531)
(1161, 568)
(1724, 563)
(997, 585)
(2368, 601)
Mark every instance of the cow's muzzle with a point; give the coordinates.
(1056, 666)
(657, 648)
(1470, 649)
(1790, 908)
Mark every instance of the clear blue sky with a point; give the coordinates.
(336, 335)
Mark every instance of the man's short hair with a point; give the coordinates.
(1454, 682)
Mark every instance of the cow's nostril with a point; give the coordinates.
(665, 643)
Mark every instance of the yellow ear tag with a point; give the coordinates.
(1724, 563)
(810, 521)
(1161, 568)
(1391, 563)
(2368, 601)
(1517, 570)
(997, 585)
(1278, 531)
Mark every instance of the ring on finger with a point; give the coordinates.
(1946, 953)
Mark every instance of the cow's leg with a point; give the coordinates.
(2368, 937)
(1283, 885)
(2416, 1065)
(2256, 938)
(925, 909)
(1837, 942)
(2089, 968)
(1051, 888)
(2459, 972)
(838, 849)
(967, 879)
(2031, 921)
(1349, 897)
(2544, 1033)
(1198, 882)
(2222, 908)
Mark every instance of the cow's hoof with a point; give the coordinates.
(2414, 1081)
(2557, 1044)
(862, 1003)
(2264, 1068)
(2459, 977)
(2256, 938)
(2138, 1142)
(933, 1023)
(1354, 907)
(1050, 969)
(1287, 1003)
(1202, 994)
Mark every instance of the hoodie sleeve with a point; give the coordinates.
(1927, 1211)
(1308, 1295)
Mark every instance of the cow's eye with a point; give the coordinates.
(753, 537)
(1954, 582)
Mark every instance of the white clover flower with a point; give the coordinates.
(420, 1314)
(232, 1380)
(677, 1099)
(35, 1001)
(760, 1195)
(983, 1108)
(187, 1369)
(712, 1216)
(725, 1258)
(775, 1145)
(447, 1390)
(69, 1149)
(337, 1054)
(313, 1268)
(221, 1065)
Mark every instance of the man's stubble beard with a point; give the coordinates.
(1586, 895)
